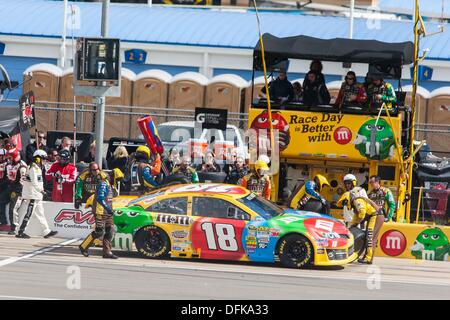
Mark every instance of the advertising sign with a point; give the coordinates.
(314, 135)
(207, 118)
(414, 241)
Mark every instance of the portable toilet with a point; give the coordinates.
(85, 120)
(187, 91)
(118, 125)
(439, 114)
(258, 85)
(43, 80)
(150, 94)
(226, 91)
(421, 106)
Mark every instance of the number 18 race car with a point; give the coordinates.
(228, 222)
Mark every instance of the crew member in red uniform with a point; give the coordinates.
(16, 171)
(63, 173)
(4, 193)
(258, 181)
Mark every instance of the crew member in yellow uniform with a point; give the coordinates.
(258, 181)
(308, 198)
(364, 210)
(101, 203)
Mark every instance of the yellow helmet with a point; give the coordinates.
(118, 174)
(145, 150)
(261, 165)
(344, 200)
(322, 181)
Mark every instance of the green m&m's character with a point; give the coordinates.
(384, 139)
(431, 244)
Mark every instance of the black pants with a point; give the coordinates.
(4, 200)
(104, 227)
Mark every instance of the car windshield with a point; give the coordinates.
(175, 133)
(261, 206)
(147, 198)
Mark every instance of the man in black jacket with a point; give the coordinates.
(281, 88)
(314, 92)
(39, 143)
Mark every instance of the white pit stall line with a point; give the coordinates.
(37, 252)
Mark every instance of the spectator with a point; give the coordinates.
(315, 66)
(16, 171)
(119, 159)
(185, 169)
(39, 143)
(237, 171)
(380, 92)
(280, 89)
(91, 156)
(314, 92)
(351, 92)
(66, 144)
(209, 164)
(173, 159)
(52, 157)
(63, 174)
(298, 92)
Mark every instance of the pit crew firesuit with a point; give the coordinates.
(104, 225)
(384, 199)
(309, 195)
(4, 194)
(260, 185)
(32, 195)
(364, 210)
(16, 174)
(142, 176)
(63, 179)
(86, 184)
(386, 91)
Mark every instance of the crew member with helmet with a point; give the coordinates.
(258, 181)
(185, 169)
(16, 171)
(141, 173)
(365, 210)
(101, 203)
(86, 183)
(32, 197)
(63, 173)
(308, 197)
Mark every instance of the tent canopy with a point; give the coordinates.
(338, 49)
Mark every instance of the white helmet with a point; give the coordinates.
(350, 177)
(264, 158)
(40, 153)
(3, 152)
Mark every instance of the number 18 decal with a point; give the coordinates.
(226, 236)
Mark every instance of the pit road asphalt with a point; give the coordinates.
(42, 269)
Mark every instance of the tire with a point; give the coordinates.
(152, 242)
(359, 239)
(174, 179)
(295, 251)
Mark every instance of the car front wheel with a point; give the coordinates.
(152, 242)
(295, 251)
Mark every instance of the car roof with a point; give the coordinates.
(204, 189)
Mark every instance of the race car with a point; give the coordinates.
(228, 222)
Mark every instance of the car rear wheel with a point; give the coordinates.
(295, 251)
(359, 240)
(152, 242)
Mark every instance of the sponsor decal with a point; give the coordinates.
(180, 234)
(122, 241)
(167, 218)
(393, 243)
(76, 216)
(342, 135)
